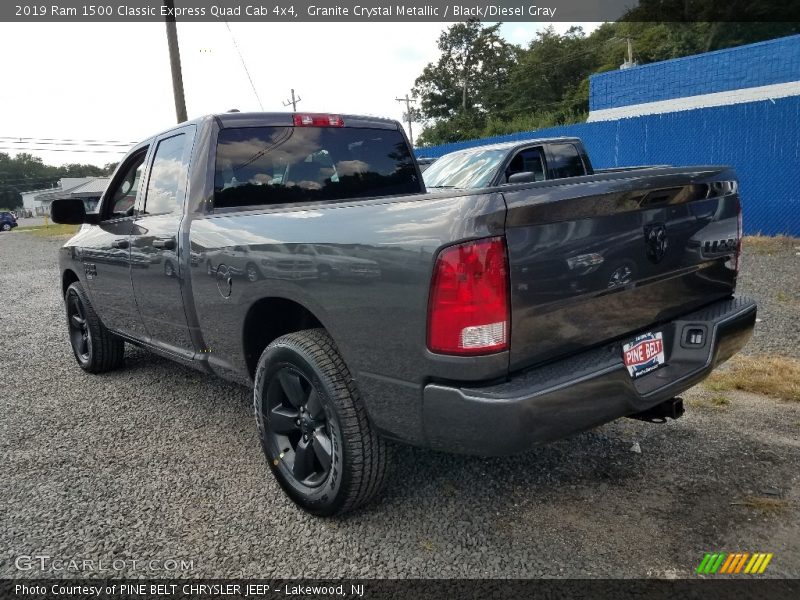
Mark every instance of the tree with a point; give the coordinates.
(483, 86)
(25, 172)
(470, 73)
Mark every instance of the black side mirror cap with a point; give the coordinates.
(522, 177)
(71, 211)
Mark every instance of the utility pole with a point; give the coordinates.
(409, 116)
(175, 62)
(293, 102)
(629, 61)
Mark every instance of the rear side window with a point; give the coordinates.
(565, 161)
(167, 176)
(278, 165)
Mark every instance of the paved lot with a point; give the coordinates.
(157, 461)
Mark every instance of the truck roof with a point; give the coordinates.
(517, 144)
(285, 118)
(274, 119)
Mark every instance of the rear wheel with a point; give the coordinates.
(6, 227)
(313, 427)
(96, 349)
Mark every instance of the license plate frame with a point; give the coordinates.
(644, 354)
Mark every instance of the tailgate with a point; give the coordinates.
(605, 256)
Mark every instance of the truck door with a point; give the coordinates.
(105, 249)
(156, 254)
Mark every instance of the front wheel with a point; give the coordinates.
(96, 349)
(314, 429)
(6, 227)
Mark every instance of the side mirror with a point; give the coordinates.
(70, 211)
(522, 177)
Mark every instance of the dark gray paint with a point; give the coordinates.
(379, 322)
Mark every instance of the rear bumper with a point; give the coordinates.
(580, 392)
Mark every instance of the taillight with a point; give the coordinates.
(468, 312)
(316, 120)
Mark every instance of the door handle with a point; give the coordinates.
(120, 244)
(164, 243)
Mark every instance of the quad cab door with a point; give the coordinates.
(156, 267)
(105, 251)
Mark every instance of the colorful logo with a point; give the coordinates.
(731, 564)
(644, 354)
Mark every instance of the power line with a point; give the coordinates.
(241, 58)
(25, 180)
(65, 150)
(37, 139)
(54, 143)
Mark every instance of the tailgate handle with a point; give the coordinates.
(164, 243)
(120, 244)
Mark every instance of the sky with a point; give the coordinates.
(112, 82)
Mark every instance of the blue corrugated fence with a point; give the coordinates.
(761, 140)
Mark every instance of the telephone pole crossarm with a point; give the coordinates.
(293, 101)
(409, 116)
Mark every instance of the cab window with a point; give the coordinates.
(284, 165)
(123, 195)
(565, 161)
(529, 160)
(167, 177)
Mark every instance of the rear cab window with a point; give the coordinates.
(565, 161)
(283, 165)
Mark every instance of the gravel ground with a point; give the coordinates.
(774, 280)
(156, 461)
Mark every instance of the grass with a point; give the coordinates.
(774, 376)
(785, 298)
(51, 231)
(719, 400)
(762, 244)
(427, 545)
(763, 504)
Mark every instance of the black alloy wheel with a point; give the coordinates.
(298, 427)
(314, 429)
(96, 349)
(79, 335)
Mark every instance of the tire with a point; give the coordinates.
(96, 349)
(301, 378)
(6, 227)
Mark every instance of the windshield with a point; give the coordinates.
(473, 169)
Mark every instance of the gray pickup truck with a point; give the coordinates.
(301, 255)
(520, 161)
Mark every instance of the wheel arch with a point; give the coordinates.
(269, 318)
(67, 279)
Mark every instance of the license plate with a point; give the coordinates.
(644, 354)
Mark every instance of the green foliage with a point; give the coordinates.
(482, 86)
(470, 75)
(25, 172)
